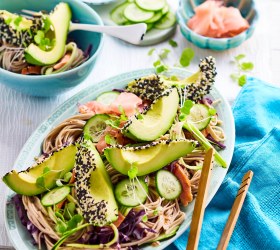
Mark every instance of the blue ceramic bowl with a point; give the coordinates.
(51, 85)
(186, 11)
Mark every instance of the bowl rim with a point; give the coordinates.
(183, 25)
(87, 62)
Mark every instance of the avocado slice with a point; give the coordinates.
(60, 19)
(156, 121)
(148, 158)
(59, 163)
(93, 186)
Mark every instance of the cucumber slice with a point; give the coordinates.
(95, 126)
(149, 26)
(168, 186)
(107, 98)
(155, 18)
(165, 9)
(166, 22)
(199, 116)
(117, 14)
(55, 196)
(137, 15)
(151, 5)
(131, 193)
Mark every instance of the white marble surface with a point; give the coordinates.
(21, 114)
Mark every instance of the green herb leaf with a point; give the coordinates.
(186, 57)
(247, 66)
(173, 43)
(157, 63)
(60, 227)
(239, 57)
(18, 21)
(174, 78)
(67, 177)
(47, 24)
(242, 80)
(110, 140)
(46, 170)
(74, 221)
(151, 51)
(188, 104)
(133, 171)
(161, 68)
(40, 181)
(145, 218)
(164, 53)
(212, 111)
(140, 117)
(69, 210)
(59, 183)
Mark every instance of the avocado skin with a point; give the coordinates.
(93, 186)
(61, 161)
(148, 158)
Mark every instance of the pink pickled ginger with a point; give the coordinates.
(211, 19)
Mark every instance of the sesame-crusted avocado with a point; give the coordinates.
(17, 30)
(198, 84)
(147, 88)
(51, 168)
(93, 186)
(60, 20)
(148, 158)
(156, 121)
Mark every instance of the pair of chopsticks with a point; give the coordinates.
(199, 207)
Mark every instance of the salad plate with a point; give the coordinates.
(153, 36)
(18, 234)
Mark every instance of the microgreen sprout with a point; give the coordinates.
(159, 65)
(110, 140)
(242, 68)
(145, 218)
(186, 57)
(173, 43)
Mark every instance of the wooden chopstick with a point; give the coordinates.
(235, 211)
(199, 206)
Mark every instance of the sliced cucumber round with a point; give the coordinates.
(168, 186)
(166, 22)
(55, 196)
(151, 5)
(137, 15)
(131, 193)
(107, 98)
(165, 10)
(117, 14)
(95, 126)
(155, 18)
(199, 116)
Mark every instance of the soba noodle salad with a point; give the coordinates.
(38, 45)
(119, 173)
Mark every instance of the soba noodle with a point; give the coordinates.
(169, 214)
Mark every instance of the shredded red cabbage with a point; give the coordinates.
(219, 144)
(31, 228)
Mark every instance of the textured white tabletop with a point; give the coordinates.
(21, 114)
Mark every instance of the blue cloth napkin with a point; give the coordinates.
(257, 120)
